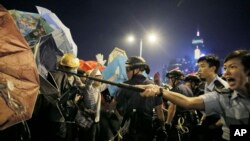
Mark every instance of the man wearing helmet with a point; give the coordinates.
(175, 78)
(232, 104)
(194, 83)
(61, 127)
(136, 109)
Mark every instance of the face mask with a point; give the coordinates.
(73, 70)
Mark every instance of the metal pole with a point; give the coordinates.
(141, 48)
(121, 85)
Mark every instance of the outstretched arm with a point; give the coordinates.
(176, 98)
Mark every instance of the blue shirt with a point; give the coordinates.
(210, 87)
(233, 107)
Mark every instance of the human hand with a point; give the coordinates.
(99, 58)
(150, 90)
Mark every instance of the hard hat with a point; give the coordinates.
(136, 62)
(69, 60)
(177, 74)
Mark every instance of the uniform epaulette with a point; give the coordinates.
(223, 91)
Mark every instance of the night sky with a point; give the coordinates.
(97, 26)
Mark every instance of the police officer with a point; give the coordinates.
(136, 109)
(194, 83)
(176, 113)
(232, 105)
(208, 68)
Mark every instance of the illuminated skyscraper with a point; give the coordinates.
(198, 45)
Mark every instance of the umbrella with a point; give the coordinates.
(18, 67)
(31, 25)
(50, 92)
(62, 42)
(116, 51)
(89, 65)
(56, 23)
(46, 55)
(117, 59)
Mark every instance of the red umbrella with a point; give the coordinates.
(89, 65)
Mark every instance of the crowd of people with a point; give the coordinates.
(199, 106)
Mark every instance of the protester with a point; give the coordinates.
(62, 113)
(137, 110)
(231, 104)
(90, 104)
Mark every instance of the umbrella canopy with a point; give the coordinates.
(31, 25)
(62, 42)
(46, 55)
(116, 65)
(116, 51)
(56, 23)
(89, 65)
(18, 67)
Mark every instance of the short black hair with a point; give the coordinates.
(243, 55)
(212, 60)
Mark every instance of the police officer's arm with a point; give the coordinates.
(176, 98)
(171, 113)
(112, 107)
(159, 113)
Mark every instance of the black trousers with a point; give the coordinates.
(92, 134)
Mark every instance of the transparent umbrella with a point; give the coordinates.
(31, 25)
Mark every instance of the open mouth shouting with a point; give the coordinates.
(231, 82)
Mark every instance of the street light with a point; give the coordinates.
(151, 38)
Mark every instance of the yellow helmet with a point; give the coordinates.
(69, 60)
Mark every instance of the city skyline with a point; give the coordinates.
(100, 26)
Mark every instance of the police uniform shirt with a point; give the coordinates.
(129, 100)
(184, 90)
(233, 107)
(210, 87)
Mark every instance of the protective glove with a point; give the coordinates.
(99, 58)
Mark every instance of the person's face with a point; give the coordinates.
(188, 84)
(129, 72)
(235, 74)
(204, 70)
(97, 83)
(171, 81)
